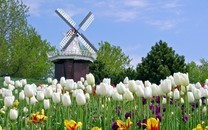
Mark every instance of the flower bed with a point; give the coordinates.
(172, 105)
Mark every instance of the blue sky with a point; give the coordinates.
(134, 25)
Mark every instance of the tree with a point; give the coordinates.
(160, 62)
(198, 73)
(22, 51)
(113, 61)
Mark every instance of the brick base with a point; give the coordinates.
(71, 69)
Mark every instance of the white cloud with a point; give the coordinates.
(135, 3)
(163, 24)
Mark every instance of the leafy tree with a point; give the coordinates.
(22, 51)
(160, 62)
(112, 60)
(198, 73)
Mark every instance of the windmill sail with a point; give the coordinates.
(86, 21)
(71, 38)
(66, 18)
(87, 43)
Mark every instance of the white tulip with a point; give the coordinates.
(56, 97)
(18, 84)
(46, 103)
(89, 89)
(128, 95)
(109, 91)
(172, 81)
(48, 92)
(166, 85)
(116, 96)
(80, 99)
(49, 80)
(21, 95)
(177, 78)
(6, 92)
(80, 85)
(54, 82)
(7, 79)
(139, 91)
(33, 100)
(82, 79)
(132, 86)
(190, 97)
(8, 101)
(90, 79)
(103, 89)
(97, 91)
(121, 88)
(176, 94)
(197, 93)
(154, 88)
(147, 92)
(69, 84)
(147, 83)
(11, 87)
(107, 81)
(40, 95)
(139, 82)
(170, 94)
(126, 80)
(29, 91)
(63, 81)
(66, 100)
(23, 81)
(13, 114)
(159, 91)
(198, 85)
(184, 79)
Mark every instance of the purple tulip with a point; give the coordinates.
(114, 126)
(185, 118)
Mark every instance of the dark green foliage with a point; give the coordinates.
(22, 51)
(160, 62)
(198, 73)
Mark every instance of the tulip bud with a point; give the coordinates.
(121, 88)
(204, 109)
(147, 92)
(63, 81)
(49, 80)
(23, 81)
(164, 101)
(80, 99)
(8, 101)
(176, 94)
(132, 86)
(18, 84)
(13, 114)
(126, 80)
(197, 93)
(69, 84)
(166, 85)
(128, 95)
(21, 95)
(139, 91)
(87, 96)
(29, 91)
(66, 100)
(25, 110)
(190, 97)
(56, 97)
(33, 101)
(48, 92)
(40, 95)
(182, 101)
(90, 79)
(89, 89)
(7, 79)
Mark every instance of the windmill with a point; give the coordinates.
(72, 61)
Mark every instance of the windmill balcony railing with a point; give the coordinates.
(82, 53)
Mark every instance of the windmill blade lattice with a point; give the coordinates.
(87, 44)
(66, 18)
(86, 21)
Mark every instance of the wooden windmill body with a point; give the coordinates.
(72, 61)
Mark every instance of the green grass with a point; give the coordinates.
(29, 81)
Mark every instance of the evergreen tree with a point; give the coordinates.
(160, 62)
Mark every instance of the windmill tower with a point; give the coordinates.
(72, 61)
